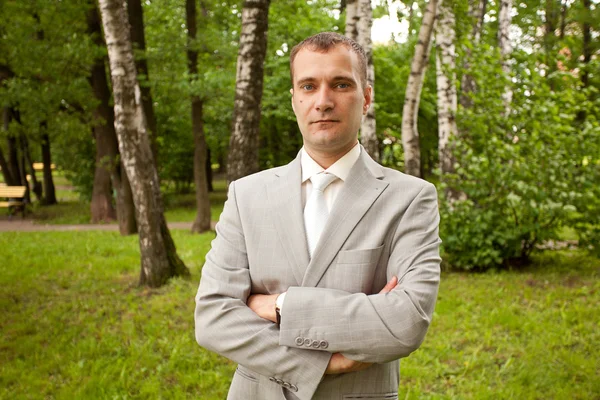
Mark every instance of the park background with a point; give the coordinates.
(496, 103)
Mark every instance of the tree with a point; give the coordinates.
(243, 146)
(101, 206)
(420, 61)
(476, 17)
(446, 88)
(135, 14)
(159, 259)
(368, 132)
(202, 220)
(505, 48)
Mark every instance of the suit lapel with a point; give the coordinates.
(285, 198)
(359, 192)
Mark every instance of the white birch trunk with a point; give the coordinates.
(446, 88)
(352, 18)
(504, 19)
(368, 131)
(410, 111)
(243, 145)
(158, 256)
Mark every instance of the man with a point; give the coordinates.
(344, 250)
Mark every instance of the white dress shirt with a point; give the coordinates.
(341, 168)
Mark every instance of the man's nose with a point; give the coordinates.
(324, 100)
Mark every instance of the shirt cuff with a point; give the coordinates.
(279, 302)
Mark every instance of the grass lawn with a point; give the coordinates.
(75, 325)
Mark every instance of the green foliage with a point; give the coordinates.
(524, 176)
(76, 326)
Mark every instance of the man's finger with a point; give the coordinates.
(390, 285)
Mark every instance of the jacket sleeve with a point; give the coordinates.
(226, 325)
(381, 327)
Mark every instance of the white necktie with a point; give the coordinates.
(316, 212)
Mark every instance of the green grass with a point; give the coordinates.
(75, 325)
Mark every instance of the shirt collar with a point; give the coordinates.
(341, 168)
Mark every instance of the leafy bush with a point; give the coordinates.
(524, 176)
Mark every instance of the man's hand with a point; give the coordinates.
(263, 305)
(338, 364)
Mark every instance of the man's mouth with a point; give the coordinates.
(322, 121)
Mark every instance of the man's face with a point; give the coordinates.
(328, 99)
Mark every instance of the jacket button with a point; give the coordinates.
(299, 341)
(294, 388)
(279, 381)
(307, 342)
(287, 385)
(324, 344)
(316, 344)
(272, 379)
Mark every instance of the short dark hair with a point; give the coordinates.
(325, 41)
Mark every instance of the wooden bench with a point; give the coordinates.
(14, 198)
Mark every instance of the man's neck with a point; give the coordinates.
(325, 158)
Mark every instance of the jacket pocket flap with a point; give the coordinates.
(362, 256)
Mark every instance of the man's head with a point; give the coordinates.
(325, 41)
(329, 94)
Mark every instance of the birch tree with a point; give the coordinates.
(352, 18)
(410, 111)
(243, 145)
(505, 46)
(159, 260)
(202, 220)
(445, 36)
(368, 132)
(135, 14)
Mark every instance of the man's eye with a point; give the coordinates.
(343, 85)
(307, 87)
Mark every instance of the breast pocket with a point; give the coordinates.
(354, 270)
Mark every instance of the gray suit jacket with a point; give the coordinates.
(383, 223)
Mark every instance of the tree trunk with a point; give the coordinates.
(410, 111)
(23, 171)
(209, 172)
(7, 173)
(159, 259)
(445, 36)
(202, 221)
(468, 84)
(368, 131)
(352, 18)
(36, 185)
(243, 145)
(101, 207)
(587, 42)
(505, 46)
(49, 191)
(135, 13)
(125, 206)
(13, 159)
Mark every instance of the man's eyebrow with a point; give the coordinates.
(305, 79)
(335, 79)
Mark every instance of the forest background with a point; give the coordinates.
(506, 126)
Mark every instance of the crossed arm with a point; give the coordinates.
(264, 306)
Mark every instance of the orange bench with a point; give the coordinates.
(12, 197)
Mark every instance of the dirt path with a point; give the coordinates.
(19, 225)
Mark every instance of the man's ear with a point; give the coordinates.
(292, 93)
(368, 99)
